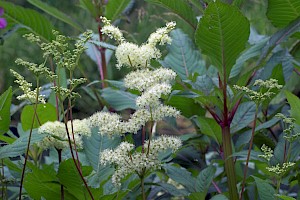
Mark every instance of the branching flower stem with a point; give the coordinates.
(249, 152)
(29, 138)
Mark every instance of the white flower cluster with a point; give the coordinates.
(57, 135)
(128, 162)
(280, 170)
(132, 55)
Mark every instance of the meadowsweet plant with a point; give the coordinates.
(152, 84)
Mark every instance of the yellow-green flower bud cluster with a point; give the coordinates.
(288, 132)
(280, 170)
(268, 152)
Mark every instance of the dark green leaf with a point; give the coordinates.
(294, 102)
(181, 8)
(222, 34)
(45, 112)
(89, 6)
(279, 37)
(5, 103)
(219, 197)
(265, 190)
(30, 19)
(55, 13)
(173, 190)
(183, 57)
(119, 99)
(243, 116)
(20, 145)
(282, 12)
(204, 179)
(114, 8)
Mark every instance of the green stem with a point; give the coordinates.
(229, 164)
(249, 152)
(143, 187)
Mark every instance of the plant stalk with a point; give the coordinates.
(62, 192)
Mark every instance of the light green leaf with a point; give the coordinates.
(209, 127)
(5, 103)
(265, 190)
(55, 13)
(204, 179)
(183, 57)
(285, 197)
(197, 196)
(294, 102)
(221, 34)
(282, 12)
(69, 177)
(30, 19)
(45, 112)
(19, 146)
(114, 8)
(181, 8)
(119, 99)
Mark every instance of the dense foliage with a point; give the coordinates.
(156, 99)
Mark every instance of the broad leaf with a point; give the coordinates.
(30, 19)
(114, 8)
(181, 8)
(5, 103)
(97, 143)
(69, 177)
(55, 13)
(285, 197)
(43, 183)
(243, 116)
(210, 127)
(294, 102)
(282, 12)
(183, 57)
(222, 34)
(173, 190)
(219, 197)
(265, 190)
(279, 37)
(119, 99)
(204, 179)
(45, 112)
(89, 6)
(19, 146)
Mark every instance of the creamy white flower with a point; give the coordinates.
(131, 55)
(113, 33)
(151, 97)
(80, 127)
(163, 111)
(161, 35)
(128, 162)
(144, 79)
(108, 123)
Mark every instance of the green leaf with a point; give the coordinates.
(282, 12)
(197, 196)
(219, 197)
(181, 176)
(243, 116)
(19, 146)
(294, 102)
(97, 143)
(5, 103)
(30, 19)
(70, 178)
(44, 183)
(173, 190)
(114, 8)
(284, 197)
(181, 8)
(265, 190)
(279, 37)
(89, 6)
(55, 13)
(45, 112)
(204, 179)
(119, 99)
(183, 57)
(209, 127)
(222, 34)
